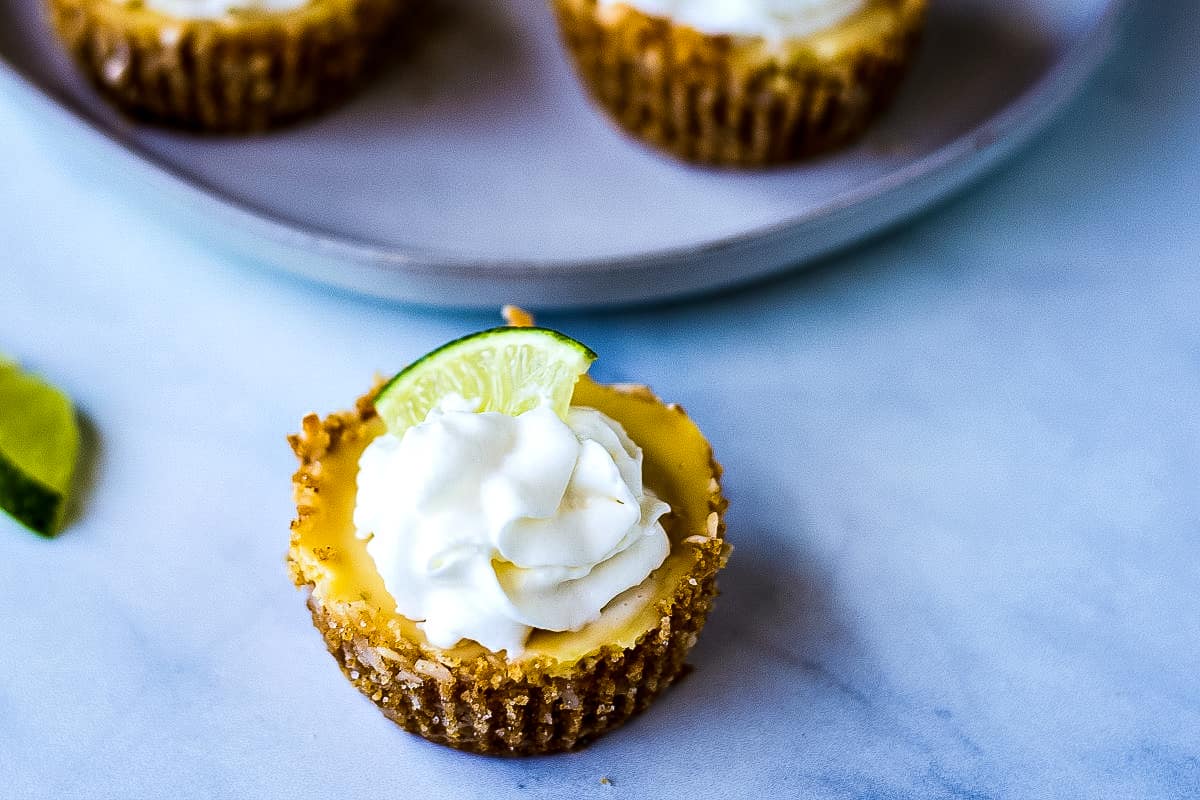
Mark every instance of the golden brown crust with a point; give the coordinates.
(484, 703)
(241, 73)
(735, 101)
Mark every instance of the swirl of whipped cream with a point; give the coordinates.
(771, 19)
(486, 526)
(215, 9)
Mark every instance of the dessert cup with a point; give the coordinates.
(240, 71)
(737, 99)
(567, 687)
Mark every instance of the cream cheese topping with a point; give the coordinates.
(215, 9)
(771, 19)
(486, 526)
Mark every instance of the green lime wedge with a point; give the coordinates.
(510, 370)
(39, 442)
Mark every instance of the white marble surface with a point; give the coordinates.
(964, 463)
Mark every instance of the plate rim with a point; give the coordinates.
(1024, 116)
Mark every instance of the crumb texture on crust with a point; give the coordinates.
(237, 74)
(738, 101)
(472, 699)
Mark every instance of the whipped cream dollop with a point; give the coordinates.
(486, 526)
(215, 9)
(771, 19)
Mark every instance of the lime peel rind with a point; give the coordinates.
(29, 501)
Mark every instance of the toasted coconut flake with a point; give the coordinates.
(433, 670)
(517, 317)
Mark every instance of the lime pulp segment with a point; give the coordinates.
(510, 370)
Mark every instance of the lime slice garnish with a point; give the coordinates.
(510, 370)
(39, 442)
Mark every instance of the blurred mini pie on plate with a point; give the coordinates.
(504, 555)
(744, 83)
(224, 66)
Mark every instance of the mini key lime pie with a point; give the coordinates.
(742, 83)
(504, 555)
(224, 65)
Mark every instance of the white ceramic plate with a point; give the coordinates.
(475, 171)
